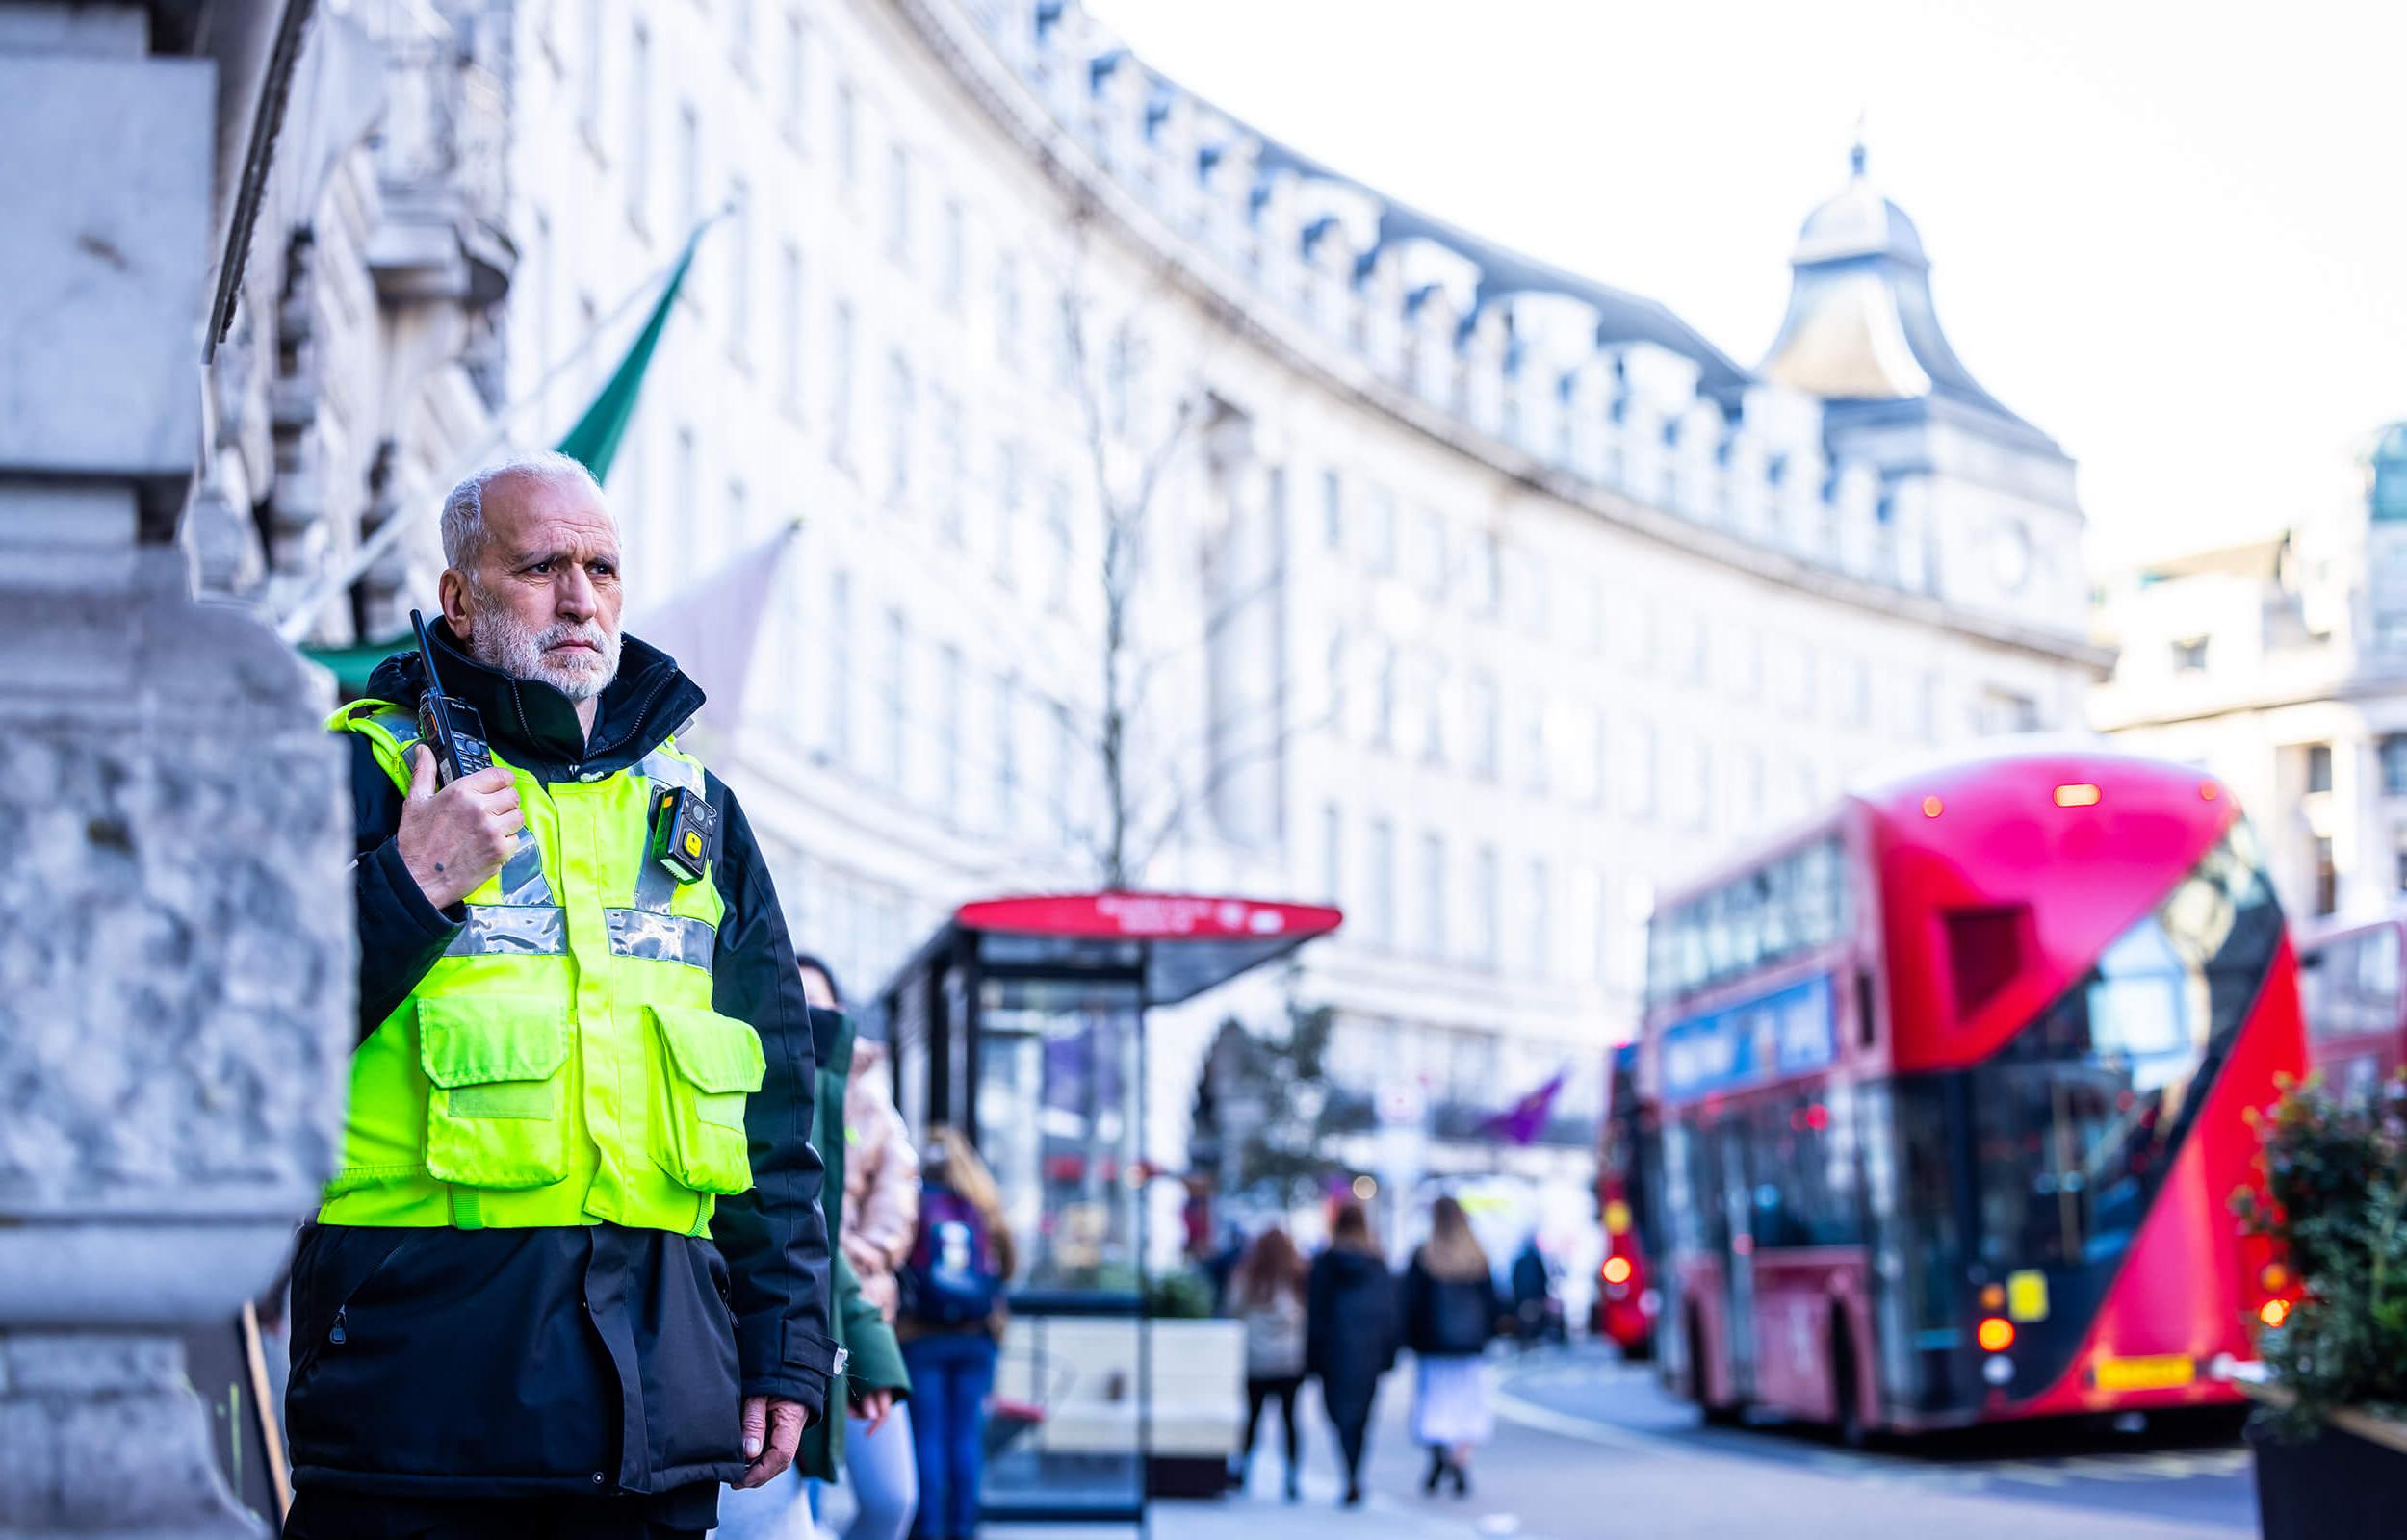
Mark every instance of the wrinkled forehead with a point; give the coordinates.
(527, 515)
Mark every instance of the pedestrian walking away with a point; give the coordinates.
(571, 1274)
(871, 1444)
(1536, 1317)
(1350, 1334)
(1450, 1311)
(1266, 1294)
(950, 1321)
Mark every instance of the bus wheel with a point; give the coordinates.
(1846, 1396)
(1716, 1414)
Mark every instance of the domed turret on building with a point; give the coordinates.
(1861, 325)
(1988, 496)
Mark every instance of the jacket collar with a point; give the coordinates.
(832, 1038)
(535, 725)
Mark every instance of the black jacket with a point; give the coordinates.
(1448, 1317)
(1350, 1330)
(591, 1359)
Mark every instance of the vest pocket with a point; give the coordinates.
(496, 1102)
(714, 1062)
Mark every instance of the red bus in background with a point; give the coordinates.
(2348, 984)
(1627, 1300)
(1952, 1089)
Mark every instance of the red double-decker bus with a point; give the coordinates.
(1953, 1089)
(1627, 1300)
(2349, 984)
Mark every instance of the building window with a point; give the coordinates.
(948, 728)
(1006, 751)
(1485, 897)
(898, 205)
(1332, 510)
(1535, 748)
(1008, 476)
(686, 491)
(2191, 657)
(797, 88)
(840, 384)
(1384, 701)
(739, 36)
(2319, 767)
(1063, 540)
(1066, 769)
(1486, 577)
(1382, 897)
(1428, 553)
(688, 176)
(1542, 918)
(949, 457)
(1429, 692)
(1641, 779)
(1434, 896)
(847, 137)
(1007, 308)
(890, 757)
(589, 77)
(901, 403)
(1381, 513)
(790, 327)
(839, 647)
(1332, 853)
(738, 270)
(2327, 878)
(2394, 764)
(951, 243)
(639, 128)
(1485, 725)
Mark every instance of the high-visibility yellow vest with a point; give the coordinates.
(560, 1062)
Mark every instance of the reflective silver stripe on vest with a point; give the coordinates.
(662, 937)
(507, 930)
(655, 887)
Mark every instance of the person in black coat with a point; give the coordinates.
(1450, 1311)
(1350, 1333)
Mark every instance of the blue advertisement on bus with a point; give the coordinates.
(1788, 1032)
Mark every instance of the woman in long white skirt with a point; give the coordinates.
(1450, 1311)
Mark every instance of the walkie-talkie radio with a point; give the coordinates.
(446, 724)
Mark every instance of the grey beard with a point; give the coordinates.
(500, 642)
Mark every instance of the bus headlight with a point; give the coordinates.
(1998, 1368)
(1995, 1335)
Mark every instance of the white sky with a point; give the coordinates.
(2174, 236)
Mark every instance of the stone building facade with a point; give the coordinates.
(1476, 595)
(2281, 666)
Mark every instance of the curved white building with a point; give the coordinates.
(1472, 592)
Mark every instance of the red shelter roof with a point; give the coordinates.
(1188, 941)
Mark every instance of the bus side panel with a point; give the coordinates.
(1798, 1294)
(2188, 1288)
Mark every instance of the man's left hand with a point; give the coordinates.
(772, 1428)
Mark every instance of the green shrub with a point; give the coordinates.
(1183, 1295)
(2335, 1204)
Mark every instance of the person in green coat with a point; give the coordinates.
(873, 1377)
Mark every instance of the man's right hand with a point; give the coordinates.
(453, 839)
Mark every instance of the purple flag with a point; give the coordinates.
(1521, 1122)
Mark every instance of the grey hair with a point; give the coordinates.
(463, 511)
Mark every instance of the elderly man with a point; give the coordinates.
(571, 1274)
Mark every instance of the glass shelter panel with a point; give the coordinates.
(1057, 1115)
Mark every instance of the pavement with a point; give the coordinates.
(1587, 1448)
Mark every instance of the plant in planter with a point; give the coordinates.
(2330, 1435)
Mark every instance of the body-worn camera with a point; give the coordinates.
(683, 825)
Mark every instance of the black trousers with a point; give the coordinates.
(684, 1514)
(1354, 1429)
(1257, 1393)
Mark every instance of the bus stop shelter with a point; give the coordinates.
(1021, 1023)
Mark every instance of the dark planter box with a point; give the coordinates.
(2334, 1486)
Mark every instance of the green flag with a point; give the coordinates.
(593, 441)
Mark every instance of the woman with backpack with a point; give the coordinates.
(1450, 1310)
(1266, 1294)
(1350, 1333)
(951, 1327)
